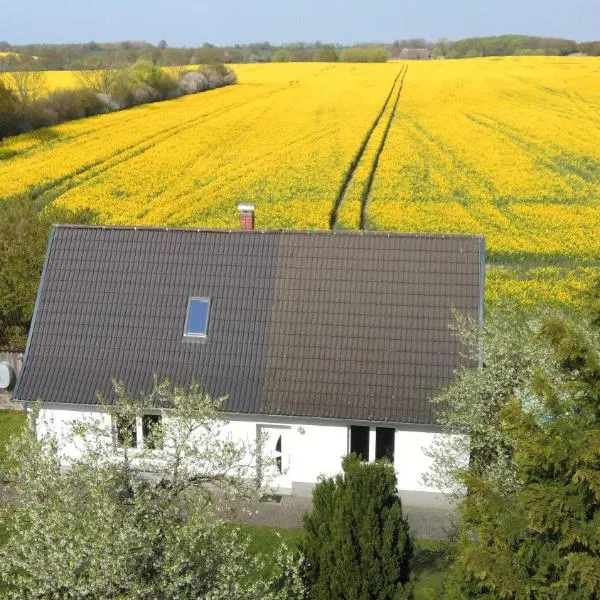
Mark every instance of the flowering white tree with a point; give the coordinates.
(505, 359)
(135, 522)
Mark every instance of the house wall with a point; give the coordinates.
(311, 449)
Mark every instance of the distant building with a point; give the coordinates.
(415, 54)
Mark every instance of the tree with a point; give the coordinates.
(100, 79)
(529, 523)
(144, 73)
(281, 55)
(356, 542)
(99, 530)
(474, 443)
(436, 52)
(326, 53)
(8, 111)
(27, 82)
(23, 239)
(162, 45)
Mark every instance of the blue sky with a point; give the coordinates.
(192, 22)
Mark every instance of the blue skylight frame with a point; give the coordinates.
(197, 318)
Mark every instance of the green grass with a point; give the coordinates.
(430, 560)
(264, 540)
(429, 566)
(11, 423)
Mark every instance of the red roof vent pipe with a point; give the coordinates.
(246, 216)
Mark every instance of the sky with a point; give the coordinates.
(193, 22)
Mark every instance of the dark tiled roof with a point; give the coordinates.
(316, 324)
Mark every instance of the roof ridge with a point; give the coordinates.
(345, 232)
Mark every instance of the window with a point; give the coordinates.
(144, 432)
(152, 432)
(363, 440)
(384, 443)
(126, 431)
(196, 320)
(359, 441)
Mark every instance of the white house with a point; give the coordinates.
(330, 342)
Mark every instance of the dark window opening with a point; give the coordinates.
(152, 431)
(384, 443)
(126, 431)
(278, 455)
(359, 441)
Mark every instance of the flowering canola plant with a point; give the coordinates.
(282, 138)
(507, 147)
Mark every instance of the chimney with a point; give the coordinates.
(246, 216)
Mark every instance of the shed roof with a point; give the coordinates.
(343, 325)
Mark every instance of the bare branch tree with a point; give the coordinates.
(27, 83)
(100, 79)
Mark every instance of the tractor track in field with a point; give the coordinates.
(366, 194)
(333, 217)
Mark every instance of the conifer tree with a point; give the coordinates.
(541, 540)
(356, 541)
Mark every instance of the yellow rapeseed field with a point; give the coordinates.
(509, 148)
(282, 139)
(506, 147)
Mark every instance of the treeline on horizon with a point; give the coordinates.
(25, 103)
(92, 55)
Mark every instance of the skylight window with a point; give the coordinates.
(196, 322)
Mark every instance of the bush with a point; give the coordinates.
(23, 239)
(217, 76)
(8, 111)
(326, 53)
(367, 55)
(192, 82)
(219, 68)
(356, 542)
(145, 93)
(74, 104)
(143, 82)
(538, 535)
(145, 74)
(121, 90)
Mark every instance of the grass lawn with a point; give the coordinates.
(429, 562)
(11, 423)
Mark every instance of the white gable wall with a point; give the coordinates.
(309, 448)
